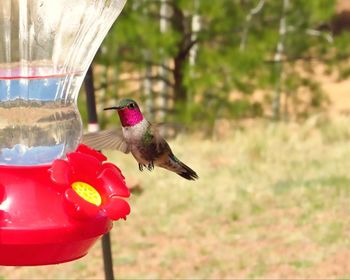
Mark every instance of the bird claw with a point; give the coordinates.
(141, 167)
(150, 166)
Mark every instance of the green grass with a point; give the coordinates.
(273, 201)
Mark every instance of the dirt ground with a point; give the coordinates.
(339, 94)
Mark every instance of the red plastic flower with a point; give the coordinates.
(2, 199)
(91, 187)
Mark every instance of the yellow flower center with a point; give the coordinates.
(87, 192)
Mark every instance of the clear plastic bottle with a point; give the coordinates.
(37, 125)
(45, 49)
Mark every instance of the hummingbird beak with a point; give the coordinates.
(113, 108)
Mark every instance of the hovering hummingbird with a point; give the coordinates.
(141, 138)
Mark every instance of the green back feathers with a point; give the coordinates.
(147, 137)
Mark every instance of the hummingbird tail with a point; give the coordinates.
(172, 163)
(187, 172)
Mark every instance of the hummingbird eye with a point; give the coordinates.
(131, 106)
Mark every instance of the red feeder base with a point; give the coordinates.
(44, 254)
(43, 220)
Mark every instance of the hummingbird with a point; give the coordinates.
(140, 138)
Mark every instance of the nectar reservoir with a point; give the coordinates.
(45, 49)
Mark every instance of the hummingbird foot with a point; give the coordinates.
(141, 167)
(150, 166)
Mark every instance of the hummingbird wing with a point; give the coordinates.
(160, 144)
(111, 139)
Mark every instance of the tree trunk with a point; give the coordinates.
(179, 88)
(147, 87)
(164, 89)
(183, 27)
(276, 102)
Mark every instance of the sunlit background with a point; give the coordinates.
(254, 95)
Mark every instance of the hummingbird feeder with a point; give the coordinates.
(56, 197)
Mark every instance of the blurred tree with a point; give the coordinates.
(240, 46)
